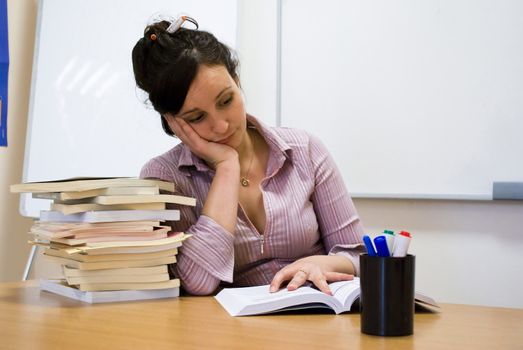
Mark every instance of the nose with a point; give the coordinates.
(220, 126)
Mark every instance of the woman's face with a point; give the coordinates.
(214, 107)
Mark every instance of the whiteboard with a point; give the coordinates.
(414, 99)
(86, 116)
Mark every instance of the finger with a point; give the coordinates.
(169, 118)
(189, 136)
(176, 128)
(338, 276)
(283, 275)
(278, 279)
(320, 281)
(186, 130)
(300, 277)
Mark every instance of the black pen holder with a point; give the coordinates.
(387, 295)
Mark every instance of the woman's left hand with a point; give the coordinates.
(319, 269)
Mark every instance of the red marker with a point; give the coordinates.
(401, 244)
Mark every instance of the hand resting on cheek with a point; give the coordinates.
(213, 153)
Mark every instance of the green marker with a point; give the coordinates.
(389, 236)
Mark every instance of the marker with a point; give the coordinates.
(369, 246)
(389, 236)
(401, 244)
(381, 246)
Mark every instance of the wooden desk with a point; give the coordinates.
(31, 319)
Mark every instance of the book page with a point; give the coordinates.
(346, 292)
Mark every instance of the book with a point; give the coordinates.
(83, 233)
(173, 238)
(60, 287)
(89, 183)
(258, 300)
(126, 271)
(156, 273)
(82, 280)
(131, 285)
(156, 198)
(145, 248)
(82, 257)
(96, 225)
(99, 265)
(62, 229)
(173, 241)
(83, 207)
(154, 235)
(111, 215)
(108, 191)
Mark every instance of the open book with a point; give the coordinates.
(258, 300)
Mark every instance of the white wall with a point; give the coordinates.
(466, 252)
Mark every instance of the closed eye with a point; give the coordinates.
(196, 118)
(227, 101)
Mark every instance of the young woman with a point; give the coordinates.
(272, 205)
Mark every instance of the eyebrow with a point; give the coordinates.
(217, 98)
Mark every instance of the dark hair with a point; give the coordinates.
(165, 64)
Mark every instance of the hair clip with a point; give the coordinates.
(153, 37)
(179, 22)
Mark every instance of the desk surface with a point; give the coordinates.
(31, 319)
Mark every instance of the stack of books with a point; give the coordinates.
(109, 236)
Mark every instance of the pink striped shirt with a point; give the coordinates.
(307, 207)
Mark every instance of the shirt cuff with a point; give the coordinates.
(351, 252)
(211, 247)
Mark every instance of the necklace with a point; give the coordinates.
(244, 180)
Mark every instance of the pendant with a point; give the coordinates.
(244, 181)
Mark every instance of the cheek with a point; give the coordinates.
(202, 131)
(239, 103)
(237, 110)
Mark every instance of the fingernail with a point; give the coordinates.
(272, 289)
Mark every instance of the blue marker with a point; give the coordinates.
(369, 246)
(381, 246)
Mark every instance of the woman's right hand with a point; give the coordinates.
(213, 153)
(221, 203)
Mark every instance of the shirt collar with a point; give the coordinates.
(276, 143)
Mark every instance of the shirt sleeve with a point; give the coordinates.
(206, 258)
(339, 223)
